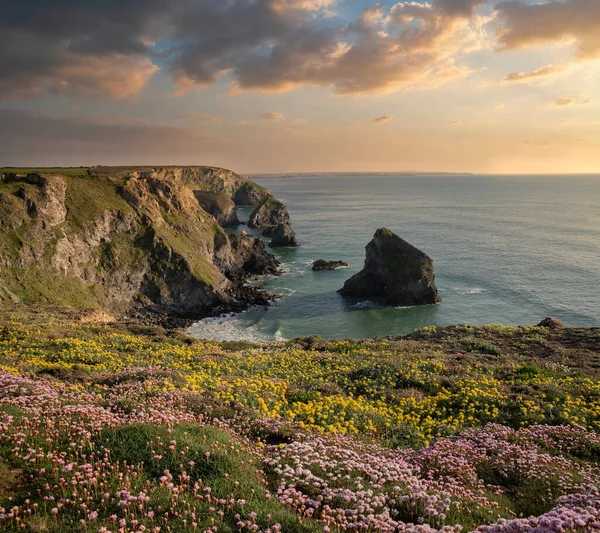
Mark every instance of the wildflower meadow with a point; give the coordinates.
(119, 428)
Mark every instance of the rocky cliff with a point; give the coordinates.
(129, 239)
(395, 273)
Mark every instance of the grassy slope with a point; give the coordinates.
(403, 393)
(87, 198)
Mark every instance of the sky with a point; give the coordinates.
(257, 86)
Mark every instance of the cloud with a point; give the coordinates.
(571, 100)
(562, 102)
(31, 139)
(195, 116)
(87, 49)
(525, 24)
(111, 48)
(416, 44)
(459, 8)
(542, 71)
(272, 116)
(383, 119)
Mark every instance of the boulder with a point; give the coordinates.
(283, 236)
(395, 273)
(321, 264)
(551, 322)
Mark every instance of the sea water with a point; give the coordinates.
(507, 249)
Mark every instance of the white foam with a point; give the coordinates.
(284, 291)
(367, 304)
(474, 290)
(230, 327)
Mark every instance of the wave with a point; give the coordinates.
(230, 327)
(473, 290)
(284, 291)
(367, 304)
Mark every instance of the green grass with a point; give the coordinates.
(45, 286)
(65, 171)
(87, 198)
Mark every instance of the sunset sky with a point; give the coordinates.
(303, 85)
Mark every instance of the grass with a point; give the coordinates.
(65, 171)
(126, 250)
(88, 198)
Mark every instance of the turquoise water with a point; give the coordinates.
(507, 249)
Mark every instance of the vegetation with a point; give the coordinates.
(65, 171)
(121, 427)
(87, 199)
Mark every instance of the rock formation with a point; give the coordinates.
(283, 236)
(249, 193)
(273, 219)
(129, 239)
(321, 264)
(220, 206)
(395, 273)
(551, 323)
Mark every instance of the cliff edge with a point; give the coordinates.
(129, 240)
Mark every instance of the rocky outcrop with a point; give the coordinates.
(128, 240)
(251, 257)
(284, 237)
(269, 214)
(551, 323)
(321, 264)
(250, 193)
(273, 219)
(395, 273)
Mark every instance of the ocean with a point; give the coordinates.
(507, 249)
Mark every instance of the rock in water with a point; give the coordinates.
(283, 236)
(273, 219)
(321, 264)
(395, 273)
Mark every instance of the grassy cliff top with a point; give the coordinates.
(64, 171)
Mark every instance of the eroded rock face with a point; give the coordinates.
(220, 206)
(321, 264)
(251, 256)
(249, 193)
(127, 239)
(395, 273)
(269, 214)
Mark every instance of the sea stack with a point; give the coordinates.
(273, 219)
(395, 273)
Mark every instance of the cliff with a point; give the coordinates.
(129, 239)
(395, 273)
